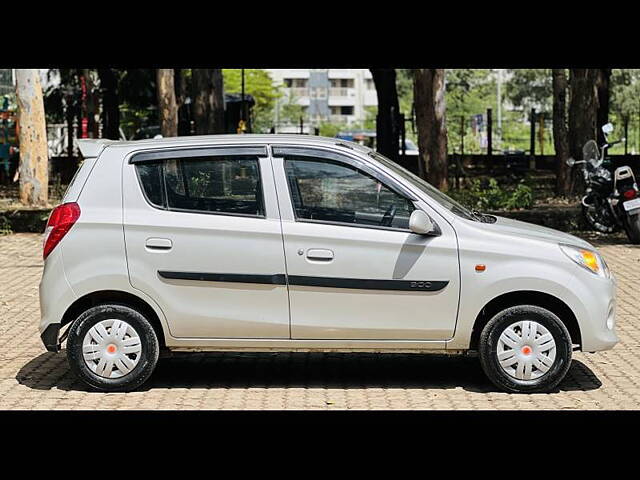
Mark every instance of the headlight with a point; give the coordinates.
(588, 259)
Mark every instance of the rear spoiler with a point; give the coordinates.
(92, 147)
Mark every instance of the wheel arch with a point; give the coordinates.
(526, 297)
(102, 297)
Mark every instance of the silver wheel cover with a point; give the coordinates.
(526, 350)
(111, 348)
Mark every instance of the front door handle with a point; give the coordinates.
(159, 243)
(320, 254)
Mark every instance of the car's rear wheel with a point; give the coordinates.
(525, 349)
(112, 348)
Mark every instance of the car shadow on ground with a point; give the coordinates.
(300, 370)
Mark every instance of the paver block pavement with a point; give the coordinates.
(32, 378)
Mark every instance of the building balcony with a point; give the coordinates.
(342, 92)
(297, 92)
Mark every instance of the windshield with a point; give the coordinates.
(590, 151)
(447, 202)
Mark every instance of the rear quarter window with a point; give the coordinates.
(150, 175)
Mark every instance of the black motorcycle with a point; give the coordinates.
(609, 202)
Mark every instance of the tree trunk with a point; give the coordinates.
(167, 108)
(33, 167)
(110, 104)
(604, 74)
(583, 109)
(93, 127)
(208, 100)
(216, 120)
(560, 132)
(387, 128)
(429, 100)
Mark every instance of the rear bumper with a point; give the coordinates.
(50, 337)
(55, 298)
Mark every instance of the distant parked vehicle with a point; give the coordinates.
(609, 203)
(410, 147)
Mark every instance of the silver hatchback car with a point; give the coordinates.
(295, 243)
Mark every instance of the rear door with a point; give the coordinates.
(203, 239)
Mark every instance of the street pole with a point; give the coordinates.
(499, 106)
(532, 145)
(489, 138)
(242, 102)
(626, 134)
(275, 125)
(461, 135)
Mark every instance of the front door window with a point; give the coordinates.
(327, 191)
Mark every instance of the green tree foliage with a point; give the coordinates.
(625, 92)
(259, 84)
(487, 194)
(529, 88)
(328, 129)
(469, 92)
(625, 107)
(291, 111)
(404, 86)
(138, 102)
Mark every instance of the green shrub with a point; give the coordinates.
(486, 195)
(521, 197)
(5, 226)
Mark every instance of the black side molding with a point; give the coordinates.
(307, 281)
(275, 279)
(366, 284)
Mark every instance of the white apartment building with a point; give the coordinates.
(333, 95)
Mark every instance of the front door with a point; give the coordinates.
(203, 239)
(355, 271)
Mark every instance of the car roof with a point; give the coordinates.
(93, 147)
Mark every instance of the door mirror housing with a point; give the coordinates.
(421, 224)
(607, 128)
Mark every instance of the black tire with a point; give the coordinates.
(599, 218)
(489, 342)
(148, 355)
(632, 227)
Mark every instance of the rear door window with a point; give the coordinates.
(216, 184)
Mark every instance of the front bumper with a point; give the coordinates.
(598, 325)
(50, 337)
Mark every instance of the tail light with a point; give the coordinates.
(629, 194)
(60, 222)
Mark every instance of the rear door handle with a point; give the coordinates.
(320, 254)
(159, 243)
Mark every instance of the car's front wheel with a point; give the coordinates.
(525, 349)
(112, 348)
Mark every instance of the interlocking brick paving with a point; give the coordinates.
(31, 378)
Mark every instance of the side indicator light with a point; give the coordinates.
(481, 267)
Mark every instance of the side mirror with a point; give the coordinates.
(420, 223)
(571, 162)
(607, 128)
